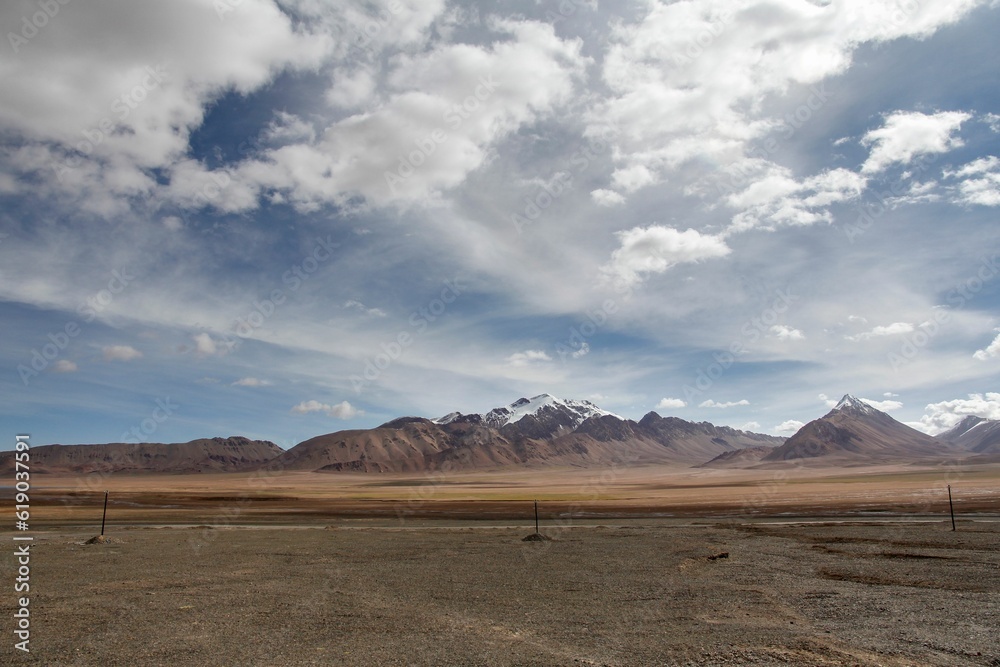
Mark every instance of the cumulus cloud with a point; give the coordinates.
(527, 358)
(442, 110)
(120, 353)
(789, 426)
(655, 249)
(782, 332)
(65, 366)
(978, 182)
(884, 406)
(906, 134)
(893, 329)
(827, 401)
(671, 403)
(251, 382)
(939, 417)
(603, 197)
(990, 351)
(342, 410)
(712, 404)
(112, 115)
(750, 426)
(206, 346)
(688, 77)
(776, 199)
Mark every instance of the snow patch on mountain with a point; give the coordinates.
(849, 402)
(580, 411)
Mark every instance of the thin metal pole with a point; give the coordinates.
(104, 518)
(952, 506)
(536, 516)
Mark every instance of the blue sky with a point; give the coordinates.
(284, 219)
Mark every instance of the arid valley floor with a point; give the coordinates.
(823, 567)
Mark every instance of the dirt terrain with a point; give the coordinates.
(630, 594)
(648, 566)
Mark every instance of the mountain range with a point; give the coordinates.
(539, 431)
(543, 431)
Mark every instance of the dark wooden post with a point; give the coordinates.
(104, 518)
(951, 505)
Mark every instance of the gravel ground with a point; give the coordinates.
(913, 594)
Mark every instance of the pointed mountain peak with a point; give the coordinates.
(963, 427)
(851, 403)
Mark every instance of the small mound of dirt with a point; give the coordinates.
(724, 554)
(101, 539)
(537, 537)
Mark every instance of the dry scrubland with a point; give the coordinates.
(363, 570)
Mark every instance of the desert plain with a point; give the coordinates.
(645, 566)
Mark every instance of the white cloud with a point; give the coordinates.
(979, 183)
(687, 79)
(173, 223)
(671, 403)
(109, 116)
(439, 114)
(251, 382)
(889, 394)
(528, 357)
(906, 134)
(65, 366)
(655, 249)
(829, 402)
(775, 199)
(782, 332)
(942, 416)
(582, 352)
(603, 197)
(990, 351)
(342, 410)
(712, 404)
(204, 344)
(750, 426)
(884, 406)
(120, 353)
(789, 426)
(352, 304)
(889, 330)
(632, 178)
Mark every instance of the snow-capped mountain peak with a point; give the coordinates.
(536, 405)
(573, 411)
(849, 402)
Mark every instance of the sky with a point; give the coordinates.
(283, 219)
